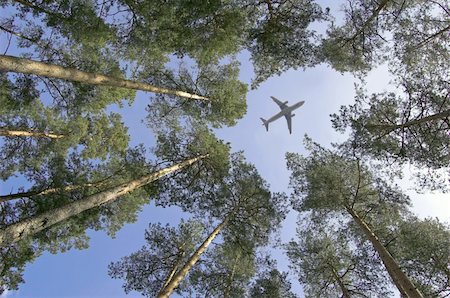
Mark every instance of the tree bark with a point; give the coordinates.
(389, 128)
(47, 191)
(4, 132)
(175, 281)
(401, 280)
(22, 65)
(27, 227)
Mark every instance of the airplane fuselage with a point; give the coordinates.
(285, 111)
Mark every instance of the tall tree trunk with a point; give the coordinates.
(32, 225)
(344, 290)
(388, 127)
(22, 65)
(47, 191)
(5, 132)
(175, 281)
(401, 280)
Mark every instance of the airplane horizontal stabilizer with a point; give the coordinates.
(265, 123)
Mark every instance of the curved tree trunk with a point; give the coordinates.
(22, 65)
(401, 280)
(175, 281)
(30, 226)
(5, 132)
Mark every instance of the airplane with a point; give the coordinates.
(286, 111)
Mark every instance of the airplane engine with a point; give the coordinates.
(292, 115)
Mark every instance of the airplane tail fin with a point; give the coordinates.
(265, 123)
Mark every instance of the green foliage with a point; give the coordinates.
(239, 189)
(97, 135)
(167, 249)
(328, 261)
(411, 127)
(219, 83)
(329, 185)
(60, 172)
(332, 182)
(423, 248)
(281, 38)
(13, 260)
(224, 271)
(407, 34)
(205, 31)
(341, 55)
(270, 283)
(242, 198)
(358, 44)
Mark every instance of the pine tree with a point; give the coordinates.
(319, 183)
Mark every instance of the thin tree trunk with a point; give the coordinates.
(167, 291)
(401, 280)
(226, 294)
(389, 128)
(47, 191)
(424, 42)
(174, 269)
(32, 225)
(338, 279)
(5, 132)
(18, 35)
(22, 65)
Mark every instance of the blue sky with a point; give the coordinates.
(84, 273)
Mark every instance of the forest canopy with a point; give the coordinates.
(70, 69)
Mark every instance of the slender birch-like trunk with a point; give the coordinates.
(27, 227)
(5, 132)
(22, 65)
(401, 280)
(175, 281)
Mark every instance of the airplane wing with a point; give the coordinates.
(289, 122)
(282, 105)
